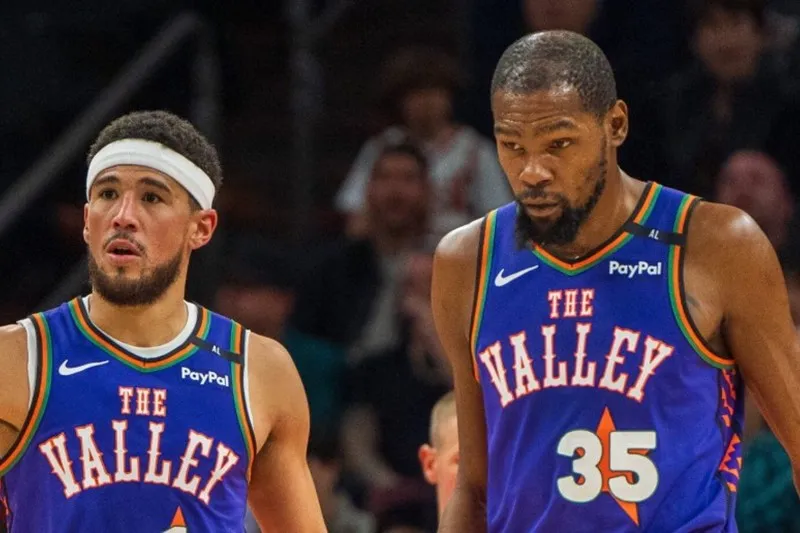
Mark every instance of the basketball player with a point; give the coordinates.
(439, 458)
(131, 409)
(599, 327)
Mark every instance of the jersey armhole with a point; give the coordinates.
(33, 357)
(482, 271)
(241, 390)
(677, 290)
(246, 379)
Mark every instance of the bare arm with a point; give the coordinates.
(453, 275)
(14, 388)
(282, 494)
(756, 322)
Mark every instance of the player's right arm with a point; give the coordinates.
(14, 388)
(454, 272)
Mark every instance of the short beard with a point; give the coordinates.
(148, 289)
(563, 230)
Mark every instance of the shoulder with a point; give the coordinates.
(12, 337)
(13, 345)
(725, 231)
(276, 392)
(14, 388)
(727, 244)
(461, 244)
(455, 269)
(269, 359)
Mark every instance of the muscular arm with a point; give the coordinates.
(282, 495)
(451, 298)
(14, 389)
(756, 323)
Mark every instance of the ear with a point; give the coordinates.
(427, 459)
(86, 223)
(617, 120)
(205, 223)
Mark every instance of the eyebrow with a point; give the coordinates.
(544, 129)
(111, 178)
(158, 184)
(499, 129)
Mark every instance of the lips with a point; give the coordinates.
(122, 247)
(540, 205)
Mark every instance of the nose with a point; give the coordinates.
(126, 217)
(535, 173)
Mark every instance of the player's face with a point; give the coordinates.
(139, 229)
(555, 155)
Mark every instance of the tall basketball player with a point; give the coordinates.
(131, 409)
(600, 327)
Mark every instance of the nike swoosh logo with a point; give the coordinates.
(65, 370)
(501, 280)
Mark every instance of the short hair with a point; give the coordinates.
(408, 148)
(441, 412)
(550, 59)
(699, 10)
(165, 128)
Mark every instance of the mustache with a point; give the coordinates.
(126, 236)
(538, 193)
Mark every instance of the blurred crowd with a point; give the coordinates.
(713, 88)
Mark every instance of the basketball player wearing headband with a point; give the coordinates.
(131, 409)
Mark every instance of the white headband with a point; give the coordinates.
(158, 157)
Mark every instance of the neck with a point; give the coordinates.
(143, 326)
(616, 203)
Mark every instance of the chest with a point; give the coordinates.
(108, 424)
(612, 328)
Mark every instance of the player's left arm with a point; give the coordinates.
(282, 494)
(756, 321)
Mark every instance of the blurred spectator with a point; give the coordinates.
(572, 15)
(419, 88)
(258, 290)
(439, 457)
(730, 100)
(753, 182)
(391, 398)
(341, 515)
(349, 297)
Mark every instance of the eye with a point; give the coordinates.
(560, 144)
(107, 194)
(151, 198)
(514, 147)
